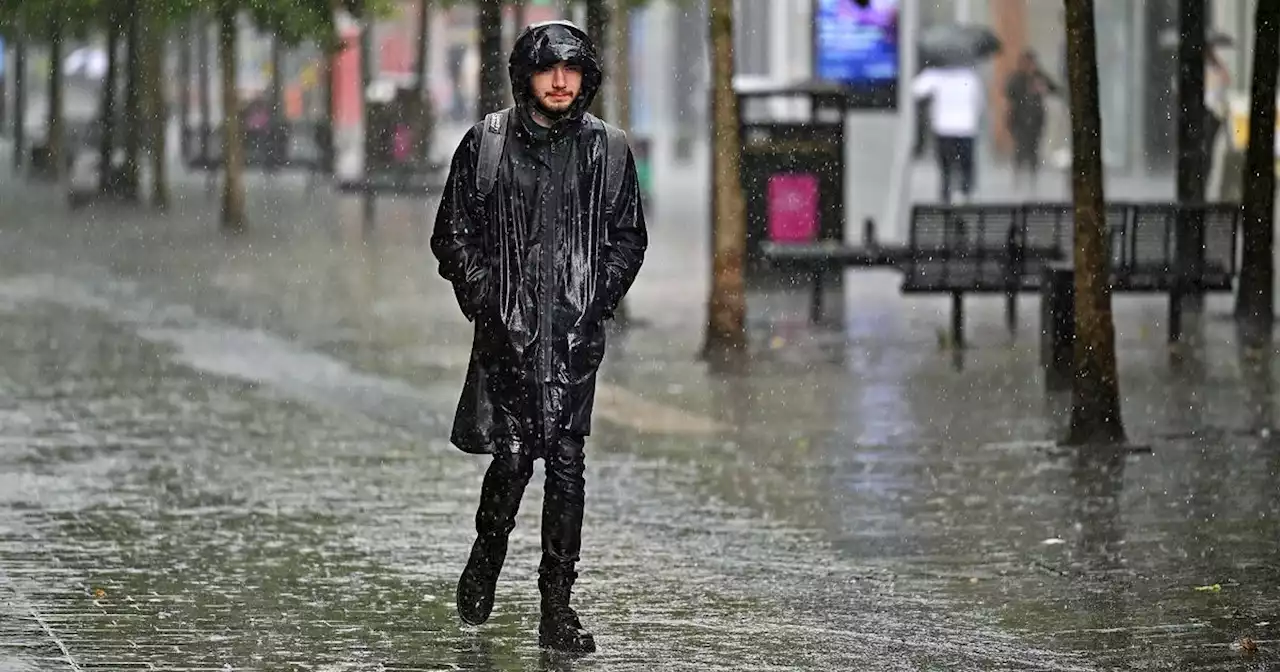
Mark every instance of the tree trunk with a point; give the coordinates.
(328, 150)
(327, 134)
(425, 123)
(277, 77)
(4, 90)
(421, 68)
(157, 109)
(1255, 298)
(1193, 158)
(184, 87)
(203, 66)
(106, 143)
(133, 117)
(1095, 407)
(233, 214)
(727, 309)
(598, 28)
(19, 100)
(620, 57)
(509, 31)
(366, 76)
(368, 201)
(489, 22)
(597, 16)
(276, 151)
(54, 119)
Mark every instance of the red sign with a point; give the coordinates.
(793, 207)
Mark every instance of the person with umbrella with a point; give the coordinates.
(1025, 90)
(951, 83)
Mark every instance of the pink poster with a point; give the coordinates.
(793, 208)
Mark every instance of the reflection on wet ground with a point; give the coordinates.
(230, 453)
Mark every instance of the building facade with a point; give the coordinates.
(1137, 39)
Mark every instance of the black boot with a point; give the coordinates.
(562, 506)
(560, 628)
(480, 579)
(500, 496)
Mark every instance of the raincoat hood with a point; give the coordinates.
(544, 44)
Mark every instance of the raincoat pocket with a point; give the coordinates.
(586, 352)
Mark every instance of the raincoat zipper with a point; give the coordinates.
(548, 259)
(545, 269)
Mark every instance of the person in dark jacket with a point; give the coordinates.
(538, 264)
(1025, 90)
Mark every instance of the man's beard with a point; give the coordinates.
(550, 114)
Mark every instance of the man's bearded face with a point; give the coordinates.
(555, 88)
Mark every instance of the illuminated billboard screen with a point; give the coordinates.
(857, 47)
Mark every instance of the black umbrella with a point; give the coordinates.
(955, 45)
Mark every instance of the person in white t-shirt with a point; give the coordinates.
(955, 113)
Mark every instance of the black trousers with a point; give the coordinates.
(1212, 124)
(1026, 152)
(562, 504)
(955, 154)
(922, 129)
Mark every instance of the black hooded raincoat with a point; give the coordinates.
(537, 265)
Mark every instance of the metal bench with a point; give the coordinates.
(952, 249)
(1145, 259)
(1144, 251)
(987, 249)
(821, 261)
(960, 256)
(1004, 248)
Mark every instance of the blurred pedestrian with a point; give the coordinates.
(955, 112)
(921, 143)
(1025, 91)
(1217, 85)
(541, 232)
(923, 134)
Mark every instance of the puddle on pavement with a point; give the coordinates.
(887, 512)
(276, 534)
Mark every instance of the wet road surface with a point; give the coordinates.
(228, 454)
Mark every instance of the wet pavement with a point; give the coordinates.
(228, 453)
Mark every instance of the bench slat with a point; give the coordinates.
(998, 247)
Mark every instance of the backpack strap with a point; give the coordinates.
(615, 152)
(492, 142)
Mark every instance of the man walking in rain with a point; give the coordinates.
(541, 233)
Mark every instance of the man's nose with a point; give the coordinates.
(557, 77)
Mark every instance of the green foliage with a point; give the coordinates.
(35, 19)
(294, 21)
(630, 4)
(637, 4)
